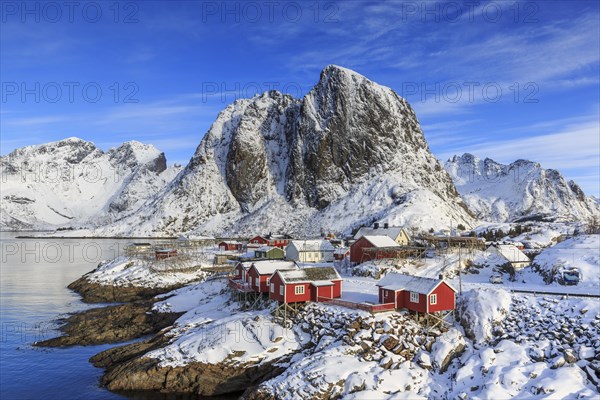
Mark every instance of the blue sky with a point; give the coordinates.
(504, 80)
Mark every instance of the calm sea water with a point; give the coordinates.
(34, 274)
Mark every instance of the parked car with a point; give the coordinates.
(496, 279)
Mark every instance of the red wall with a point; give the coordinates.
(337, 289)
(259, 240)
(292, 297)
(403, 301)
(356, 251)
(322, 291)
(263, 288)
(281, 243)
(445, 299)
(275, 295)
(230, 246)
(386, 296)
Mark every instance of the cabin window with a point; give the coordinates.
(281, 290)
(433, 299)
(414, 297)
(299, 289)
(272, 288)
(268, 281)
(255, 281)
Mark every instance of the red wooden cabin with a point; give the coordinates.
(415, 293)
(230, 246)
(305, 284)
(260, 272)
(240, 272)
(161, 254)
(258, 241)
(357, 249)
(278, 242)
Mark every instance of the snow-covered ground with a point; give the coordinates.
(580, 252)
(125, 271)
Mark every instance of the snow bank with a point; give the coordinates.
(481, 309)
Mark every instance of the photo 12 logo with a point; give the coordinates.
(471, 92)
(269, 11)
(227, 92)
(53, 12)
(68, 92)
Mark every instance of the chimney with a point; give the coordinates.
(441, 276)
(386, 225)
(376, 225)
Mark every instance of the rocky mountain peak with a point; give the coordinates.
(519, 191)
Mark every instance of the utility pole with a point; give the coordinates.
(459, 269)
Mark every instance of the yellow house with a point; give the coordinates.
(398, 234)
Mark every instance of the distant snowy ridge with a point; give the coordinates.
(71, 182)
(520, 191)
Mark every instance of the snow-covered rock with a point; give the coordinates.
(481, 309)
(520, 191)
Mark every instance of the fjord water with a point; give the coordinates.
(34, 274)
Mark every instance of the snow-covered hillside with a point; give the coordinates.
(349, 152)
(72, 182)
(520, 191)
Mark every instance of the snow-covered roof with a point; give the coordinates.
(312, 245)
(393, 232)
(268, 267)
(230, 242)
(419, 284)
(266, 248)
(381, 241)
(341, 250)
(511, 253)
(310, 274)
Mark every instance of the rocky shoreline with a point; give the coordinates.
(92, 292)
(126, 371)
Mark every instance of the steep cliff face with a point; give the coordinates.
(70, 182)
(520, 191)
(349, 152)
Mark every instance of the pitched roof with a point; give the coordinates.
(230, 242)
(312, 245)
(419, 284)
(381, 241)
(393, 232)
(341, 250)
(309, 274)
(268, 267)
(266, 248)
(511, 253)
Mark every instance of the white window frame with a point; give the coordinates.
(414, 297)
(268, 281)
(272, 285)
(299, 289)
(256, 282)
(433, 299)
(281, 290)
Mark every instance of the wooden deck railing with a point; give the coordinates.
(372, 308)
(240, 286)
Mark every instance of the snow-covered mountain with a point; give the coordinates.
(349, 152)
(520, 191)
(72, 182)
